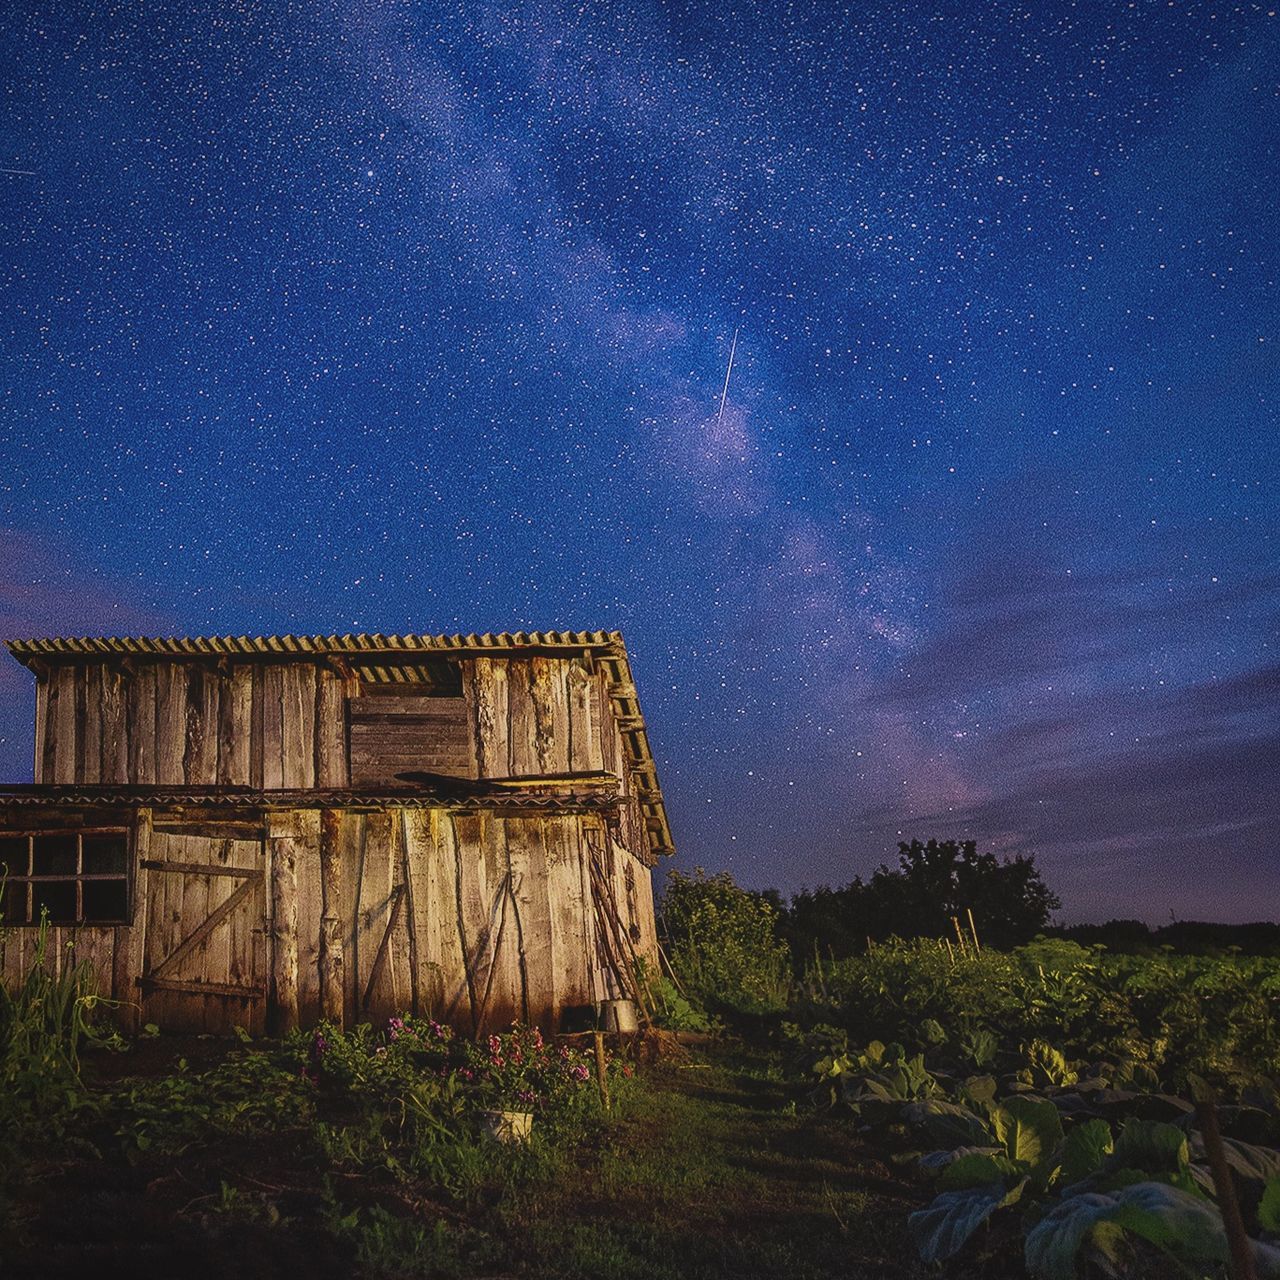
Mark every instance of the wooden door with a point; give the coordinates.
(205, 947)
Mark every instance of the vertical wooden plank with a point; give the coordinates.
(331, 768)
(399, 961)
(609, 758)
(472, 902)
(332, 951)
(376, 884)
(89, 695)
(284, 848)
(121, 986)
(423, 973)
(310, 910)
(257, 720)
(135, 940)
(221, 1013)
(246, 939)
(504, 1002)
(195, 1011)
(550, 693)
(486, 686)
(235, 726)
(171, 723)
(298, 725)
(351, 844)
(141, 690)
(200, 740)
(273, 710)
(646, 917)
(527, 844)
(114, 754)
(523, 731)
(439, 967)
(568, 933)
(443, 920)
(584, 736)
(64, 723)
(42, 719)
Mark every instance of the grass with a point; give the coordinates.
(704, 1170)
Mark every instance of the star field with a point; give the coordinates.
(410, 317)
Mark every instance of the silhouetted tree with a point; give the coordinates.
(932, 882)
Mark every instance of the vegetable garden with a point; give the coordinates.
(924, 1108)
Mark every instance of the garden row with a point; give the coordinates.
(1046, 1094)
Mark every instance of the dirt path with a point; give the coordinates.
(711, 1174)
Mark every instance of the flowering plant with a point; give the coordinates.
(518, 1070)
(418, 1067)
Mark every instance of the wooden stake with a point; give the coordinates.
(951, 955)
(955, 920)
(1242, 1267)
(973, 929)
(602, 1077)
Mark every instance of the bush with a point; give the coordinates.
(723, 943)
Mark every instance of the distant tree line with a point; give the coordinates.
(937, 883)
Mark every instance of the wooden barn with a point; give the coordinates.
(266, 831)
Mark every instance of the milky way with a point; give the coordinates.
(402, 317)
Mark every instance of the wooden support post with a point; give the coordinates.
(1242, 1266)
(282, 861)
(973, 929)
(136, 935)
(332, 960)
(602, 1071)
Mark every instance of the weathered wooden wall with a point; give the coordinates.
(392, 732)
(278, 919)
(550, 715)
(270, 724)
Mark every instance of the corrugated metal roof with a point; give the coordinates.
(283, 646)
(607, 646)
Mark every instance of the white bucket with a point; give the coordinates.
(508, 1126)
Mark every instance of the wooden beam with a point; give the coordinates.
(381, 958)
(206, 927)
(201, 988)
(197, 868)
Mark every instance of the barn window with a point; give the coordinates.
(78, 877)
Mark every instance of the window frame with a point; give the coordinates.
(28, 879)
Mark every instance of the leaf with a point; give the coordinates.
(1154, 1146)
(1248, 1162)
(947, 1123)
(941, 1230)
(1269, 1207)
(1174, 1220)
(978, 1091)
(1052, 1244)
(1185, 1226)
(1030, 1129)
(936, 1161)
(976, 1169)
(1085, 1149)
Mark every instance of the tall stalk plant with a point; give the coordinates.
(45, 1021)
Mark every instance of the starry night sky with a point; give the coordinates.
(407, 317)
